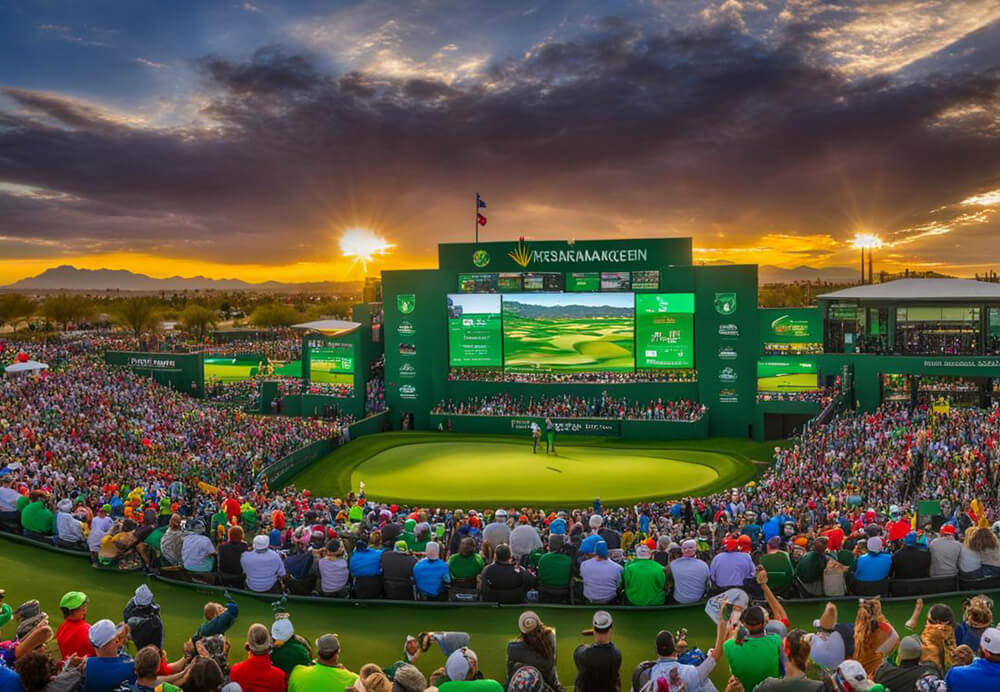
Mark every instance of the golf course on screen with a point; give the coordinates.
(785, 376)
(558, 332)
(230, 368)
(332, 365)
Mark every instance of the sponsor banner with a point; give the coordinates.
(728, 396)
(985, 363)
(725, 303)
(407, 371)
(574, 426)
(152, 363)
(406, 303)
(406, 328)
(729, 330)
(407, 391)
(728, 374)
(727, 353)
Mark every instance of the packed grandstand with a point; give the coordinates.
(100, 461)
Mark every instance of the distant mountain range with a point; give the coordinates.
(70, 278)
(564, 312)
(767, 274)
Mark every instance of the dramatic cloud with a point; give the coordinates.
(780, 142)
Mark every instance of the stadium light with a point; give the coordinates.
(866, 241)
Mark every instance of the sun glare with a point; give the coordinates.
(363, 245)
(866, 241)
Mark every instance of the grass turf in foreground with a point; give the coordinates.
(374, 632)
(484, 470)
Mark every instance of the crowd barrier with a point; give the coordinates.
(190, 579)
(629, 428)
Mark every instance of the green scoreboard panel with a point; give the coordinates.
(583, 282)
(664, 330)
(474, 335)
(787, 376)
(333, 363)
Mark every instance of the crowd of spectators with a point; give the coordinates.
(569, 406)
(284, 348)
(599, 377)
(815, 396)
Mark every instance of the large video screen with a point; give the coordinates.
(474, 337)
(561, 332)
(787, 376)
(664, 330)
(333, 363)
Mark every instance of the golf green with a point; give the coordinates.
(479, 471)
(374, 632)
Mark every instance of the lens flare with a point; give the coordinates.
(363, 245)
(866, 241)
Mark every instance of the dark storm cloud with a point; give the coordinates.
(707, 124)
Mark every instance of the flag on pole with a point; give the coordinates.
(480, 202)
(481, 219)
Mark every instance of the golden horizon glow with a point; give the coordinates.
(363, 245)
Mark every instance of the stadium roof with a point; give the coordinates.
(920, 289)
(329, 327)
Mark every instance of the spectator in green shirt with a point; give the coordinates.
(5, 610)
(36, 516)
(327, 674)
(466, 564)
(809, 569)
(289, 650)
(757, 655)
(554, 567)
(645, 579)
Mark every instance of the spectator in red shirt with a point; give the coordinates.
(898, 525)
(257, 673)
(232, 509)
(72, 634)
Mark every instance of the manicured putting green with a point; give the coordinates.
(229, 373)
(482, 472)
(792, 382)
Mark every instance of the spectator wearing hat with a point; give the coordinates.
(462, 671)
(365, 560)
(406, 677)
(142, 616)
(898, 525)
(218, 618)
(526, 679)
(497, 532)
(72, 634)
(875, 564)
(397, 571)
(333, 570)
(945, 551)
(69, 529)
(506, 582)
(984, 672)
(431, 575)
(731, 569)
(904, 674)
(290, 649)
(256, 673)
(666, 665)
(197, 550)
(108, 669)
(757, 655)
(912, 560)
(263, 567)
(598, 663)
(589, 544)
(850, 676)
(524, 540)
(645, 579)
(536, 647)
(555, 566)
(601, 576)
(689, 574)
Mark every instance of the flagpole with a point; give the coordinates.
(477, 219)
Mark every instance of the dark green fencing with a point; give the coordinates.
(604, 427)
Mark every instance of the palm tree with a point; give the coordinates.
(199, 319)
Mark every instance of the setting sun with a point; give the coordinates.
(363, 245)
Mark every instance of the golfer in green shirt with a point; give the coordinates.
(644, 578)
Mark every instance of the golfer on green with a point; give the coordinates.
(550, 436)
(536, 436)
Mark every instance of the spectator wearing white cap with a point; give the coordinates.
(984, 672)
(689, 574)
(327, 674)
(875, 564)
(289, 650)
(497, 531)
(589, 544)
(262, 566)
(462, 670)
(69, 529)
(109, 668)
(597, 664)
(850, 676)
(431, 575)
(535, 647)
(142, 616)
(645, 579)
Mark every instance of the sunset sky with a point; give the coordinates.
(239, 139)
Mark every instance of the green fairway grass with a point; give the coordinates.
(568, 345)
(485, 470)
(228, 370)
(792, 382)
(373, 632)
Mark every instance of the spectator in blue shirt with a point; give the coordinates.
(983, 673)
(875, 564)
(108, 669)
(431, 575)
(365, 561)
